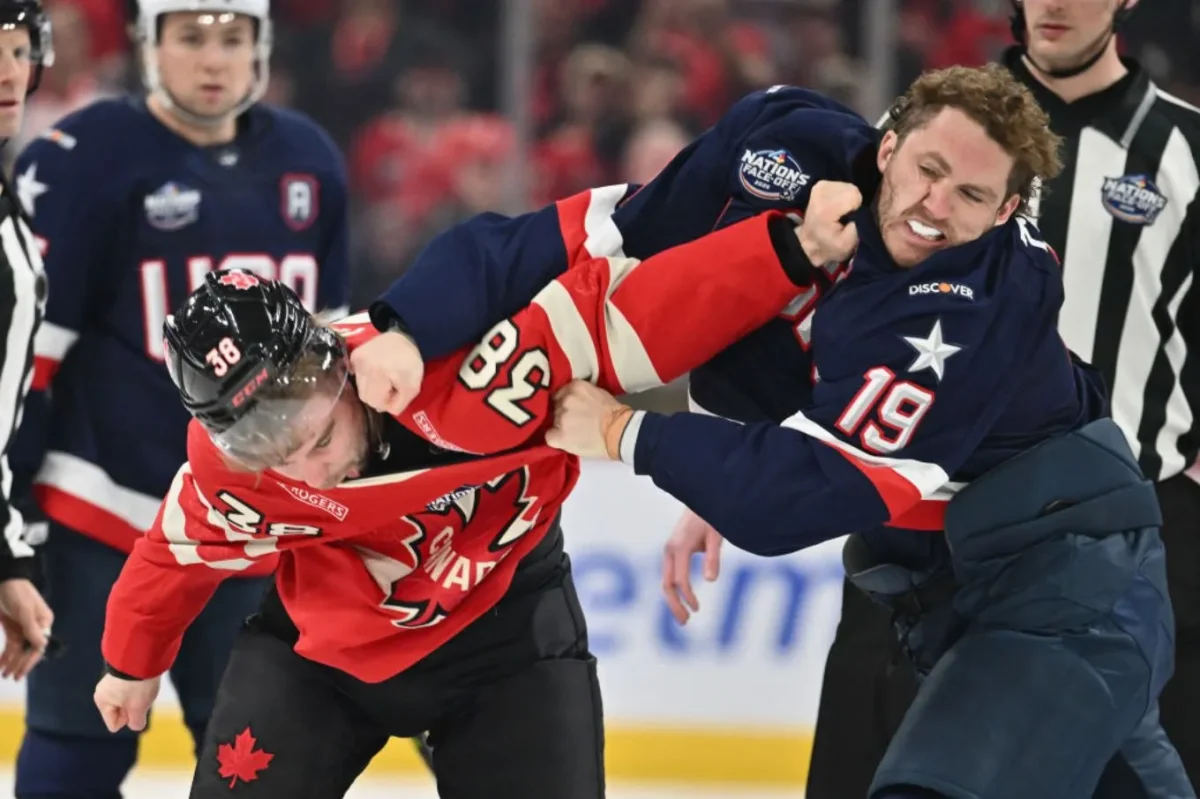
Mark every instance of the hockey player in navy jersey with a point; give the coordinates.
(134, 201)
(928, 367)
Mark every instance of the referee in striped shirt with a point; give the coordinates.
(1124, 216)
(25, 47)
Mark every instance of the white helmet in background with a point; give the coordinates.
(150, 13)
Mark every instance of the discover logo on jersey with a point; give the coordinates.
(941, 287)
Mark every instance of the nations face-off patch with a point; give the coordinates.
(1132, 198)
(771, 175)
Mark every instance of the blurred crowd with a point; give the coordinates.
(413, 90)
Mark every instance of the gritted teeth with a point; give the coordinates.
(924, 231)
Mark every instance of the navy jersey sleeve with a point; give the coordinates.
(880, 441)
(62, 187)
(767, 152)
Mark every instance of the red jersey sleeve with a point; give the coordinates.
(202, 535)
(623, 324)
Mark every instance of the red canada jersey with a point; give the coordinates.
(378, 572)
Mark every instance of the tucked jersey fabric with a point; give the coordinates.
(130, 217)
(380, 571)
(867, 403)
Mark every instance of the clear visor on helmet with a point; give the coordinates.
(289, 409)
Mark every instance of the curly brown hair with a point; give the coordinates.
(1002, 105)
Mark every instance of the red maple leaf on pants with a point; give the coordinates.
(241, 761)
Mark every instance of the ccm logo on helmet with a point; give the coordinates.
(942, 288)
(247, 391)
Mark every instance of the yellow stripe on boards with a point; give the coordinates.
(643, 754)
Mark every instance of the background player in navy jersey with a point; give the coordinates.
(134, 201)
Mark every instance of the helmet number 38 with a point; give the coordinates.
(223, 356)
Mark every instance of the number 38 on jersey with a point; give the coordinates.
(530, 371)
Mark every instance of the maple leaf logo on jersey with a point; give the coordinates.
(454, 556)
(241, 760)
(507, 495)
(239, 280)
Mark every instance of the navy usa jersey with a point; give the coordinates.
(866, 404)
(919, 380)
(130, 217)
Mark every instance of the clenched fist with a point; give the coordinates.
(823, 236)
(388, 371)
(125, 703)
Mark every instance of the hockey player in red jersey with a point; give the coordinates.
(421, 583)
(132, 200)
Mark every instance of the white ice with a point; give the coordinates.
(170, 785)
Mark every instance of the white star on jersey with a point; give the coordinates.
(29, 188)
(932, 352)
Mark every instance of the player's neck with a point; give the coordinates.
(199, 135)
(1104, 73)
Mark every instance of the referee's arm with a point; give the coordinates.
(25, 616)
(21, 291)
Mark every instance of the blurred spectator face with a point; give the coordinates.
(817, 36)
(480, 185)
(657, 90)
(946, 183)
(15, 71)
(431, 91)
(1061, 34)
(206, 61)
(593, 80)
(478, 153)
(651, 148)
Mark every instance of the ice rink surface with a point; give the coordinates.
(169, 785)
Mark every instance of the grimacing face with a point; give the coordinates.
(206, 61)
(944, 184)
(16, 68)
(338, 449)
(1062, 34)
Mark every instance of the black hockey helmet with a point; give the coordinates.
(253, 366)
(30, 14)
(1017, 22)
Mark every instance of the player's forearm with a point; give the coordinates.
(768, 489)
(471, 277)
(150, 607)
(672, 312)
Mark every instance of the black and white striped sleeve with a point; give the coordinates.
(22, 304)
